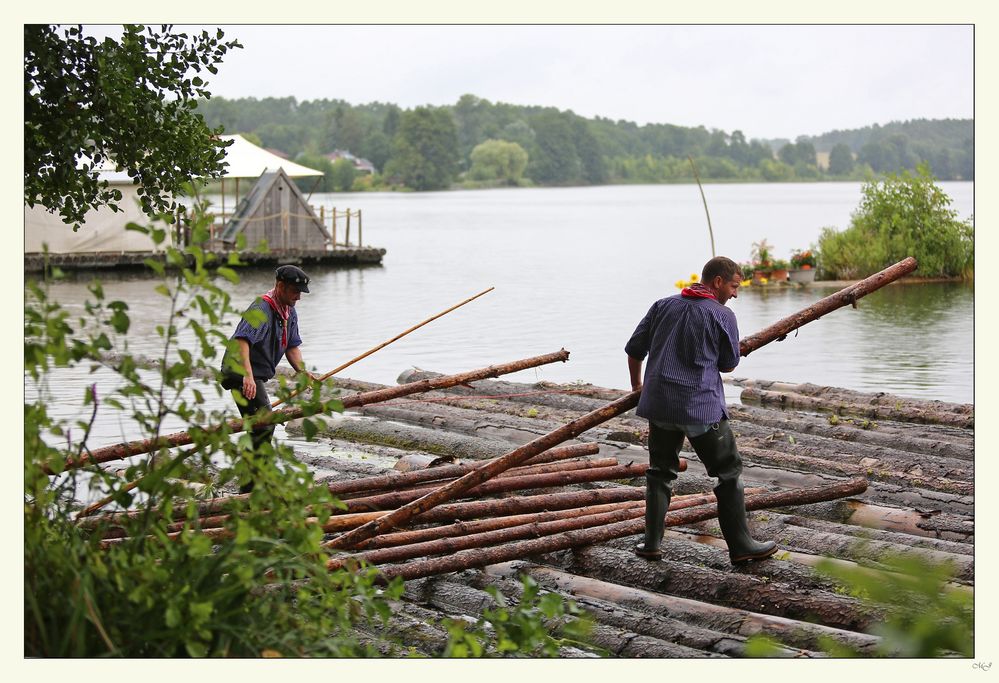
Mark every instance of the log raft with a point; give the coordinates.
(918, 501)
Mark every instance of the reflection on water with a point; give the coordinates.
(578, 268)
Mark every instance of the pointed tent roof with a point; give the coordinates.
(245, 160)
(251, 203)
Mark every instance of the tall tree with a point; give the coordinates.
(128, 102)
(498, 160)
(840, 160)
(553, 157)
(425, 149)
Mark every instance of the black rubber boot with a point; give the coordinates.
(259, 435)
(717, 451)
(742, 547)
(664, 461)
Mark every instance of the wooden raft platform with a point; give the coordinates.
(361, 256)
(917, 455)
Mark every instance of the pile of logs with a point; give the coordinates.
(551, 485)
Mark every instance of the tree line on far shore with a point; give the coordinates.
(478, 143)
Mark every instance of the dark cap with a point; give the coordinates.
(293, 275)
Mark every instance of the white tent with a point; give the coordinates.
(245, 160)
(103, 230)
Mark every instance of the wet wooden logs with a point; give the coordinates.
(719, 618)
(459, 486)
(874, 412)
(511, 551)
(896, 436)
(124, 450)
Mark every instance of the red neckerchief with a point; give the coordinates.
(698, 291)
(282, 311)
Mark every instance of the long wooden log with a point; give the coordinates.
(898, 437)
(523, 470)
(480, 557)
(501, 484)
(844, 297)
(866, 454)
(454, 544)
(875, 412)
(849, 547)
(439, 540)
(634, 635)
(853, 397)
(463, 528)
(391, 501)
(718, 618)
(485, 472)
(386, 343)
(450, 512)
(125, 450)
(375, 483)
(871, 468)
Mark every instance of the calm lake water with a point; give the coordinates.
(578, 268)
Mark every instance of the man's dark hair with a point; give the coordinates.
(720, 265)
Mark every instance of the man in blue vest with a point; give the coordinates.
(689, 339)
(261, 348)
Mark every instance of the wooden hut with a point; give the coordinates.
(275, 211)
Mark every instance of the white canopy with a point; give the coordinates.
(246, 160)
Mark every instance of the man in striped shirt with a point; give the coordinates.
(689, 338)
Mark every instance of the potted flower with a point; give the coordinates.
(803, 259)
(762, 260)
(803, 264)
(778, 271)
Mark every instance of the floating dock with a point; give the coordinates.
(129, 260)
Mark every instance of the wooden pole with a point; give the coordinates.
(484, 539)
(480, 557)
(393, 481)
(705, 200)
(845, 296)
(124, 450)
(359, 234)
(463, 528)
(487, 471)
(333, 222)
(390, 501)
(450, 512)
(498, 484)
(386, 343)
(346, 238)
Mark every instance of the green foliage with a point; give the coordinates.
(261, 589)
(130, 103)
(926, 617)
(425, 149)
(840, 160)
(564, 148)
(899, 216)
(343, 174)
(524, 630)
(498, 160)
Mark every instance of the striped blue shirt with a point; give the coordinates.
(688, 340)
(266, 348)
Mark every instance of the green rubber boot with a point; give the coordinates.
(664, 467)
(716, 449)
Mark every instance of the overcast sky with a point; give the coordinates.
(767, 81)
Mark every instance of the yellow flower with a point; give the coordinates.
(693, 277)
(763, 281)
(746, 283)
(680, 284)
